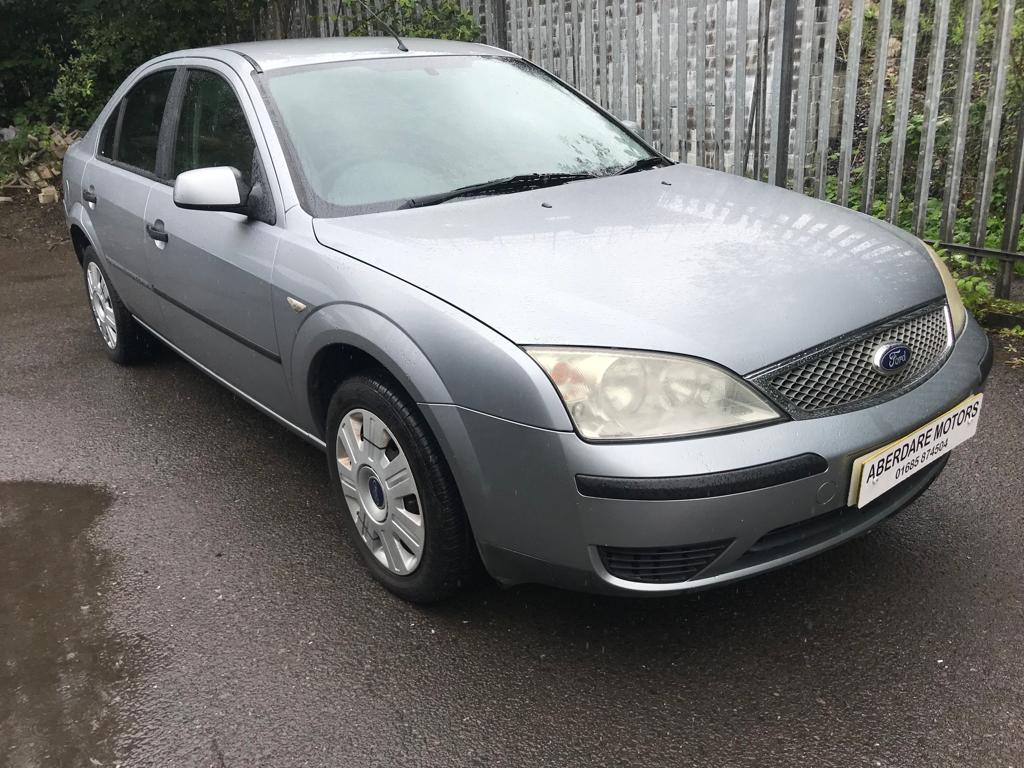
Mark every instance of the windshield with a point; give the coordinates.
(373, 135)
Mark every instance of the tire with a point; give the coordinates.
(124, 340)
(371, 404)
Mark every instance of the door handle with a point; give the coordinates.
(156, 231)
(89, 196)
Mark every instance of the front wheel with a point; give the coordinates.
(397, 498)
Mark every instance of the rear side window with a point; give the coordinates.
(143, 111)
(212, 129)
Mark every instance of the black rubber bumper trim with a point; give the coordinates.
(702, 486)
(986, 361)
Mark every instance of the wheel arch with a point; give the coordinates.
(330, 366)
(79, 241)
(82, 233)
(343, 339)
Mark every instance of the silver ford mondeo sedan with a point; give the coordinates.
(522, 336)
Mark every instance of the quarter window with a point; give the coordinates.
(212, 129)
(108, 135)
(143, 111)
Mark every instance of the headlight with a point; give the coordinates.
(616, 395)
(956, 304)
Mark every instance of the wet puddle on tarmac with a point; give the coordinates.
(59, 666)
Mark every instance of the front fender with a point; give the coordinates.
(440, 355)
(368, 330)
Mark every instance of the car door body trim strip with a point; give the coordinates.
(199, 316)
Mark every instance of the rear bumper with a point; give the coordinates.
(548, 507)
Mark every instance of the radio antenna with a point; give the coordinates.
(375, 16)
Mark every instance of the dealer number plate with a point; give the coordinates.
(883, 469)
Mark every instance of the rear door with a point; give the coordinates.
(213, 269)
(116, 187)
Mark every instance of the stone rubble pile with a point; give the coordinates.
(39, 168)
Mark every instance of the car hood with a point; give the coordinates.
(680, 259)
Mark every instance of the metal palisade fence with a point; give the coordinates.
(912, 110)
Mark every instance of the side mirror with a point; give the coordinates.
(219, 188)
(632, 125)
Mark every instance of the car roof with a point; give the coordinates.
(277, 54)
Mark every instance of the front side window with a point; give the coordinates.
(212, 129)
(142, 113)
(372, 135)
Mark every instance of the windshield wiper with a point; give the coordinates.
(519, 183)
(642, 165)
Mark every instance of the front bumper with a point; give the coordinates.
(521, 487)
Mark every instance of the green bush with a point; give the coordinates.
(446, 20)
(34, 40)
(61, 60)
(74, 95)
(974, 280)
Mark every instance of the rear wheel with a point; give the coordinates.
(397, 498)
(123, 338)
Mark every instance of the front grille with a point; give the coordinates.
(842, 376)
(660, 565)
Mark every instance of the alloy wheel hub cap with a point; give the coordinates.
(380, 491)
(102, 308)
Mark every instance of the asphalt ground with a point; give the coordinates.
(174, 592)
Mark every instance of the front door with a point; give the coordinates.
(212, 270)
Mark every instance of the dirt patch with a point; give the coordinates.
(25, 222)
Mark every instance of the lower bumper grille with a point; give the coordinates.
(660, 565)
(806, 533)
(797, 536)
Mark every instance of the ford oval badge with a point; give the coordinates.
(891, 358)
